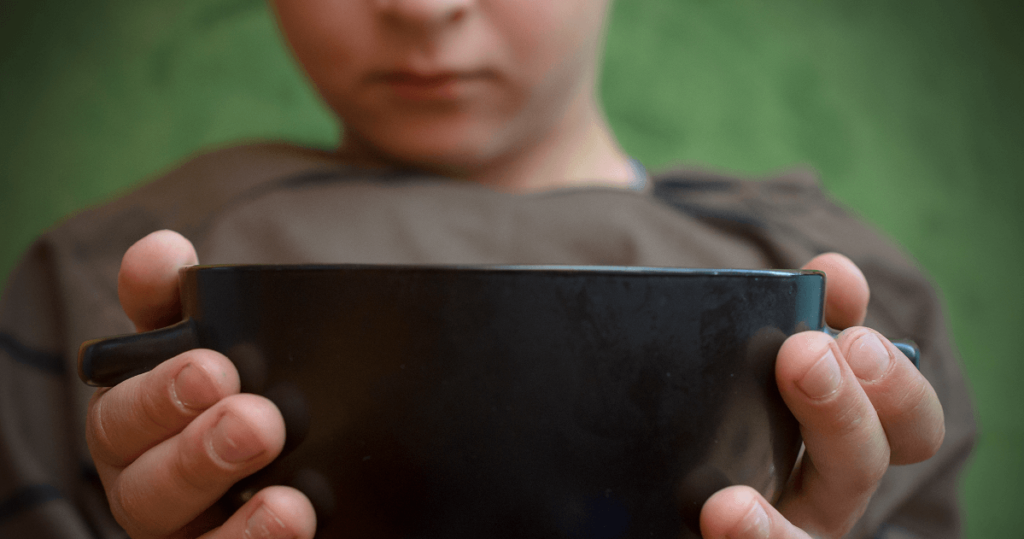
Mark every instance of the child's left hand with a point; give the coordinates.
(862, 406)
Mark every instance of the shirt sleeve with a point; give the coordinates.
(791, 219)
(48, 488)
(921, 500)
(917, 500)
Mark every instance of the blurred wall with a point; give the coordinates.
(910, 110)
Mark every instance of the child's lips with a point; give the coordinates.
(435, 86)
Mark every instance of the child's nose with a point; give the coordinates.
(426, 13)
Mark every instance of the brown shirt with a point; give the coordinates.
(282, 204)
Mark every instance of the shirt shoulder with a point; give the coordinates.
(791, 210)
(792, 218)
(184, 197)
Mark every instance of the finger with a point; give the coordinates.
(846, 448)
(273, 513)
(846, 290)
(906, 404)
(741, 513)
(147, 283)
(173, 483)
(130, 418)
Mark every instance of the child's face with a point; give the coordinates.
(448, 84)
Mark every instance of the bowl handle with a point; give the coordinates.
(907, 346)
(108, 362)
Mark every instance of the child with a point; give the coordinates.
(472, 135)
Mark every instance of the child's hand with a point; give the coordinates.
(169, 443)
(861, 404)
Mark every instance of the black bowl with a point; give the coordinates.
(509, 401)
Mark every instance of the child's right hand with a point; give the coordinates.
(170, 442)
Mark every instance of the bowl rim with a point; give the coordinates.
(553, 269)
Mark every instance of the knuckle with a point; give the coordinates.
(914, 422)
(847, 420)
(117, 506)
(126, 510)
(871, 474)
(863, 450)
(157, 411)
(922, 443)
(97, 436)
(923, 451)
(939, 436)
(194, 468)
(912, 399)
(862, 478)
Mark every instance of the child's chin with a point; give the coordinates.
(442, 152)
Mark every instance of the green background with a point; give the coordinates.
(911, 110)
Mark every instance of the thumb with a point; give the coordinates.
(147, 283)
(846, 290)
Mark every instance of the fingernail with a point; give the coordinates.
(192, 388)
(755, 524)
(823, 378)
(869, 358)
(264, 524)
(234, 441)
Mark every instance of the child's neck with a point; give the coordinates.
(581, 151)
(578, 151)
